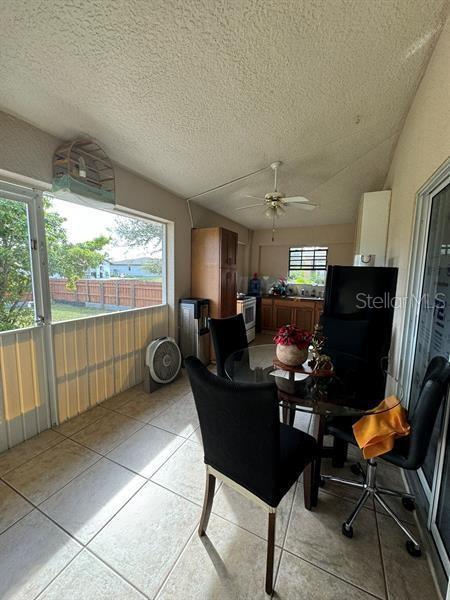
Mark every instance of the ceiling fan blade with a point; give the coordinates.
(250, 206)
(306, 206)
(255, 197)
(295, 200)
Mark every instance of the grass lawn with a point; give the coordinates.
(65, 312)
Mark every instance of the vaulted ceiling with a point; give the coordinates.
(192, 94)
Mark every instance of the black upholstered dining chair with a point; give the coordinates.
(408, 453)
(247, 447)
(228, 335)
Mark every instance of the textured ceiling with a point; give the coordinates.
(195, 93)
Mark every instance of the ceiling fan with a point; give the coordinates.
(275, 202)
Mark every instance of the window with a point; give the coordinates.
(16, 281)
(100, 261)
(308, 265)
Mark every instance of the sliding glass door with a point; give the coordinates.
(427, 334)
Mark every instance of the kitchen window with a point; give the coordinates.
(308, 265)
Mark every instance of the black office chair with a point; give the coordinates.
(247, 447)
(228, 335)
(408, 452)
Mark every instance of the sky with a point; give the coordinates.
(84, 223)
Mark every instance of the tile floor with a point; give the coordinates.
(107, 505)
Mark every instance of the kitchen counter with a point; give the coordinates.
(274, 297)
(302, 311)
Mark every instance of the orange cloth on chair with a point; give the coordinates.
(376, 433)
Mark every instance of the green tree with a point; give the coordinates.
(66, 259)
(154, 266)
(137, 233)
(15, 266)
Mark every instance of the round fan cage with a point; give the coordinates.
(163, 358)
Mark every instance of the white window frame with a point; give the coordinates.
(291, 248)
(123, 212)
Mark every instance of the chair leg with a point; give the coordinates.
(270, 553)
(210, 486)
(391, 513)
(340, 448)
(307, 486)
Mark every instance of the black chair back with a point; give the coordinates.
(240, 428)
(424, 415)
(228, 335)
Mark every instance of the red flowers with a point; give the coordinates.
(291, 335)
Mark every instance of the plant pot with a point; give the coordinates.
(291, 355)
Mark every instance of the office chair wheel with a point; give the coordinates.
(347, 530)
(413, 549)
(409, 504)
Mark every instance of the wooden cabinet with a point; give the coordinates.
(301, 312)
(318, 312)
(227, 293)
(228, 248)
(282, 312)
(267, 313)
(213, 269)
(304, 315)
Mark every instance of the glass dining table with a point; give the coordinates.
(342, 392)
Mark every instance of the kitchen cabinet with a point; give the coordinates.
(267, 313)
(213, 269)
(228, 248)
(303, 312)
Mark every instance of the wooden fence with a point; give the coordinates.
(129, 293)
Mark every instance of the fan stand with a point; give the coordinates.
(150, 385)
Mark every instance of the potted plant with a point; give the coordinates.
(292, 345)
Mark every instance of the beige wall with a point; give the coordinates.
(271, 258)
(423, 146)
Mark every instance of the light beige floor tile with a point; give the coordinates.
(316, 536)
(18, 455)
(107, 433)
(89, 501)
(299, 580)
(143, 541)
(32, 553)
(74, 425)
(184, 472)
(180, 418)
(196, 436)
(226, 564)
(12, 506)
(241, 510)
(146, 450)
(122, 398)
(87, 578)
(406, 576)
(145, 407)
(50, 471)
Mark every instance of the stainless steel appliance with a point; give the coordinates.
(247, 306)
(194, 330)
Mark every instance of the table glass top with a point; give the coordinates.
(345, 393)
